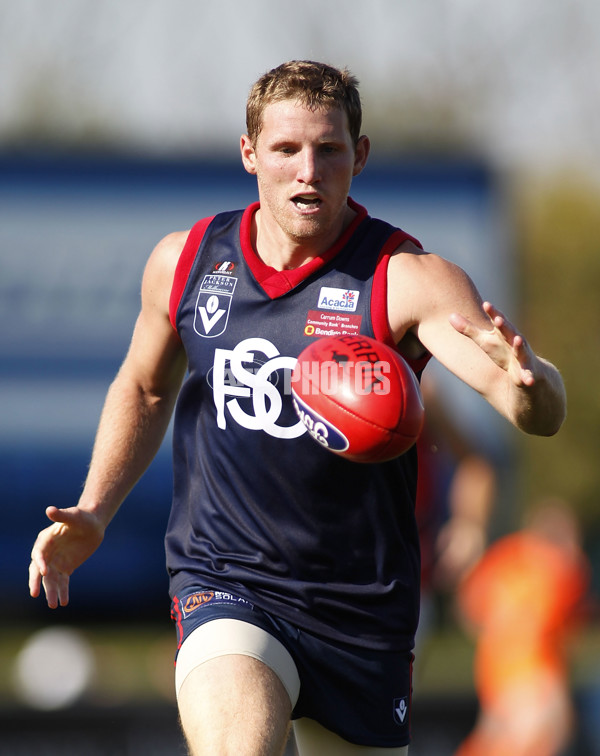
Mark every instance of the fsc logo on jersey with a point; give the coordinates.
(245, 390)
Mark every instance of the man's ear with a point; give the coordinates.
(248, 154)
(361, 154)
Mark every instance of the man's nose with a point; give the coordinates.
(308, 168)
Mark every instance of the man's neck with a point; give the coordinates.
(282, 252)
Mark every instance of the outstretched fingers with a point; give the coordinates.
(41, 574)
(516, 341)
(501, 342)
(462, 324)
(35, 578)
(58, 550)
(499, 322)
(56, 587)
(54, 582)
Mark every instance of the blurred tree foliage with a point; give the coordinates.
(559, 259)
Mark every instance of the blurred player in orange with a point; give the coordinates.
(522, 599)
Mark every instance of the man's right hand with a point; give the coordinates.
(59, 549)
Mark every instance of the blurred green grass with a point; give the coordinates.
(134, 663)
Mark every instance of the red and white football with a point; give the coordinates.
(358, 398)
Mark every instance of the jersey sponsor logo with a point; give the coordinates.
(320, 324)
(190, 604)
(320, 428)
(343, 300)
(213, 304)
(241, 380)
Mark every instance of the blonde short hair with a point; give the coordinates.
(315, 85)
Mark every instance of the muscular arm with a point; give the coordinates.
(136, 414)
(435, 301)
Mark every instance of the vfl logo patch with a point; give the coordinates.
(400, 710)
(344, 300)
(213, 304)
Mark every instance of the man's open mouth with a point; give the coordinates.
(306, 202)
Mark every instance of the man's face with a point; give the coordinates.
(304, 162)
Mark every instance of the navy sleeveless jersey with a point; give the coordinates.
(259, 508)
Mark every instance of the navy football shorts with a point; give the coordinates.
(362, 695)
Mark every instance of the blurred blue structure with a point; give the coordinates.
(74, 236)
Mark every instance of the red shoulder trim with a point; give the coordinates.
(184, 265)
(379, 312)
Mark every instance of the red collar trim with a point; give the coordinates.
(275, 283)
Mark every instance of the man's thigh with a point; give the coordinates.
(233, 705)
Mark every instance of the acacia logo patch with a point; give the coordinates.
(344, 300)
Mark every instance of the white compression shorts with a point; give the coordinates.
(225, 636)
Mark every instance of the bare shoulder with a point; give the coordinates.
(168, 250)
(423, 285)
(421, 268)
(160, 268)
(156, 358)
